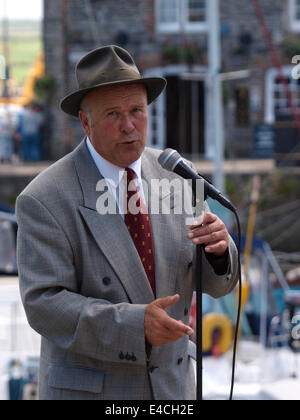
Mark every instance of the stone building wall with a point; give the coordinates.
(69, 34)
(71, 29)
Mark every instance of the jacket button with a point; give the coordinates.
(133, 357)
(186, 311)
(106, 281)
(121, 356)
(190, 264)
(179, 361)
(127, 357)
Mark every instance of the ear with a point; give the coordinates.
(85, 122)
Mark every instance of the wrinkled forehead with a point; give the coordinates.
(114, 95)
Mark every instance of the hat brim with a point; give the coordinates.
(154, 86)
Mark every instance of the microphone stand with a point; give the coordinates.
(199, 293)
(199, 308)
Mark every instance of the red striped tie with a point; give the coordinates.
(139, 227)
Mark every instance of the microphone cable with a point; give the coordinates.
(239, 309)
(238, 319)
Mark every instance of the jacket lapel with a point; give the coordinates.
(166, 230)
(110, 233)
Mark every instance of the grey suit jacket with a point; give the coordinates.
(85, 291)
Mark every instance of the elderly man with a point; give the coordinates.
(110, 292)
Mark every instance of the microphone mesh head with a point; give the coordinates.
(169, 159)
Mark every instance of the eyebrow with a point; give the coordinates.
(113, 108)
(110, 109)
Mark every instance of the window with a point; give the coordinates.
(294, 15)
(196, 14)
(177, 119)
(175, 16)
(168, 15)
(276, 103)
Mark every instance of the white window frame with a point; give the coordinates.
(193, 26)
(182, 25)
(294, 22)
(271, 88)
(168, 27)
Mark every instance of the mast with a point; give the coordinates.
(215, 117)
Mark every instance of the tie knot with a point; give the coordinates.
(130, 174)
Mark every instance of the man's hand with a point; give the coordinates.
(212, 232)
(160, 328)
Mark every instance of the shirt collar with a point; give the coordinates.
(110, 171)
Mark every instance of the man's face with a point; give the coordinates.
(115, 118)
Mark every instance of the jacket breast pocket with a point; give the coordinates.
(76, 379)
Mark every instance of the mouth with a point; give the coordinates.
(129, 143)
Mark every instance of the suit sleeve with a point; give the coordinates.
(221, 285)
(214, 283)
(55, 309)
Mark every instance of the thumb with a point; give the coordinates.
(164, 303)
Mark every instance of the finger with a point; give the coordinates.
(209, 218)
(198, 221)
(164, 303)
(206, 230)
(170, 337)
(162, 329)
(218, 248)
(164, 337)
(190, 330)
(204, 219)
(209, 226)
(213, 238)
(176, 327)
(167, 336)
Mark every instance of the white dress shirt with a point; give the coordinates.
(114, 177)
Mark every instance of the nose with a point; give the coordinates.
(127, 125)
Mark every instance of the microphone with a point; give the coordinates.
(172, 161)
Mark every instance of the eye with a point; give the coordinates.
(112, 114)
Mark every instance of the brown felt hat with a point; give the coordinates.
(108, 66)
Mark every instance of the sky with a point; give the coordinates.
(22, 9)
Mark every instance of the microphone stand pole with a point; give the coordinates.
(199, 293)
(199, 310)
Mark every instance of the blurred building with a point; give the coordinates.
(169, 38)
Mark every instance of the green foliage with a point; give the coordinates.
(291, 47)
(189, 53)
(44, 87)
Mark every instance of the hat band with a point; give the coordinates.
(111, 76)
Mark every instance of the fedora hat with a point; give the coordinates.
(108, 66)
